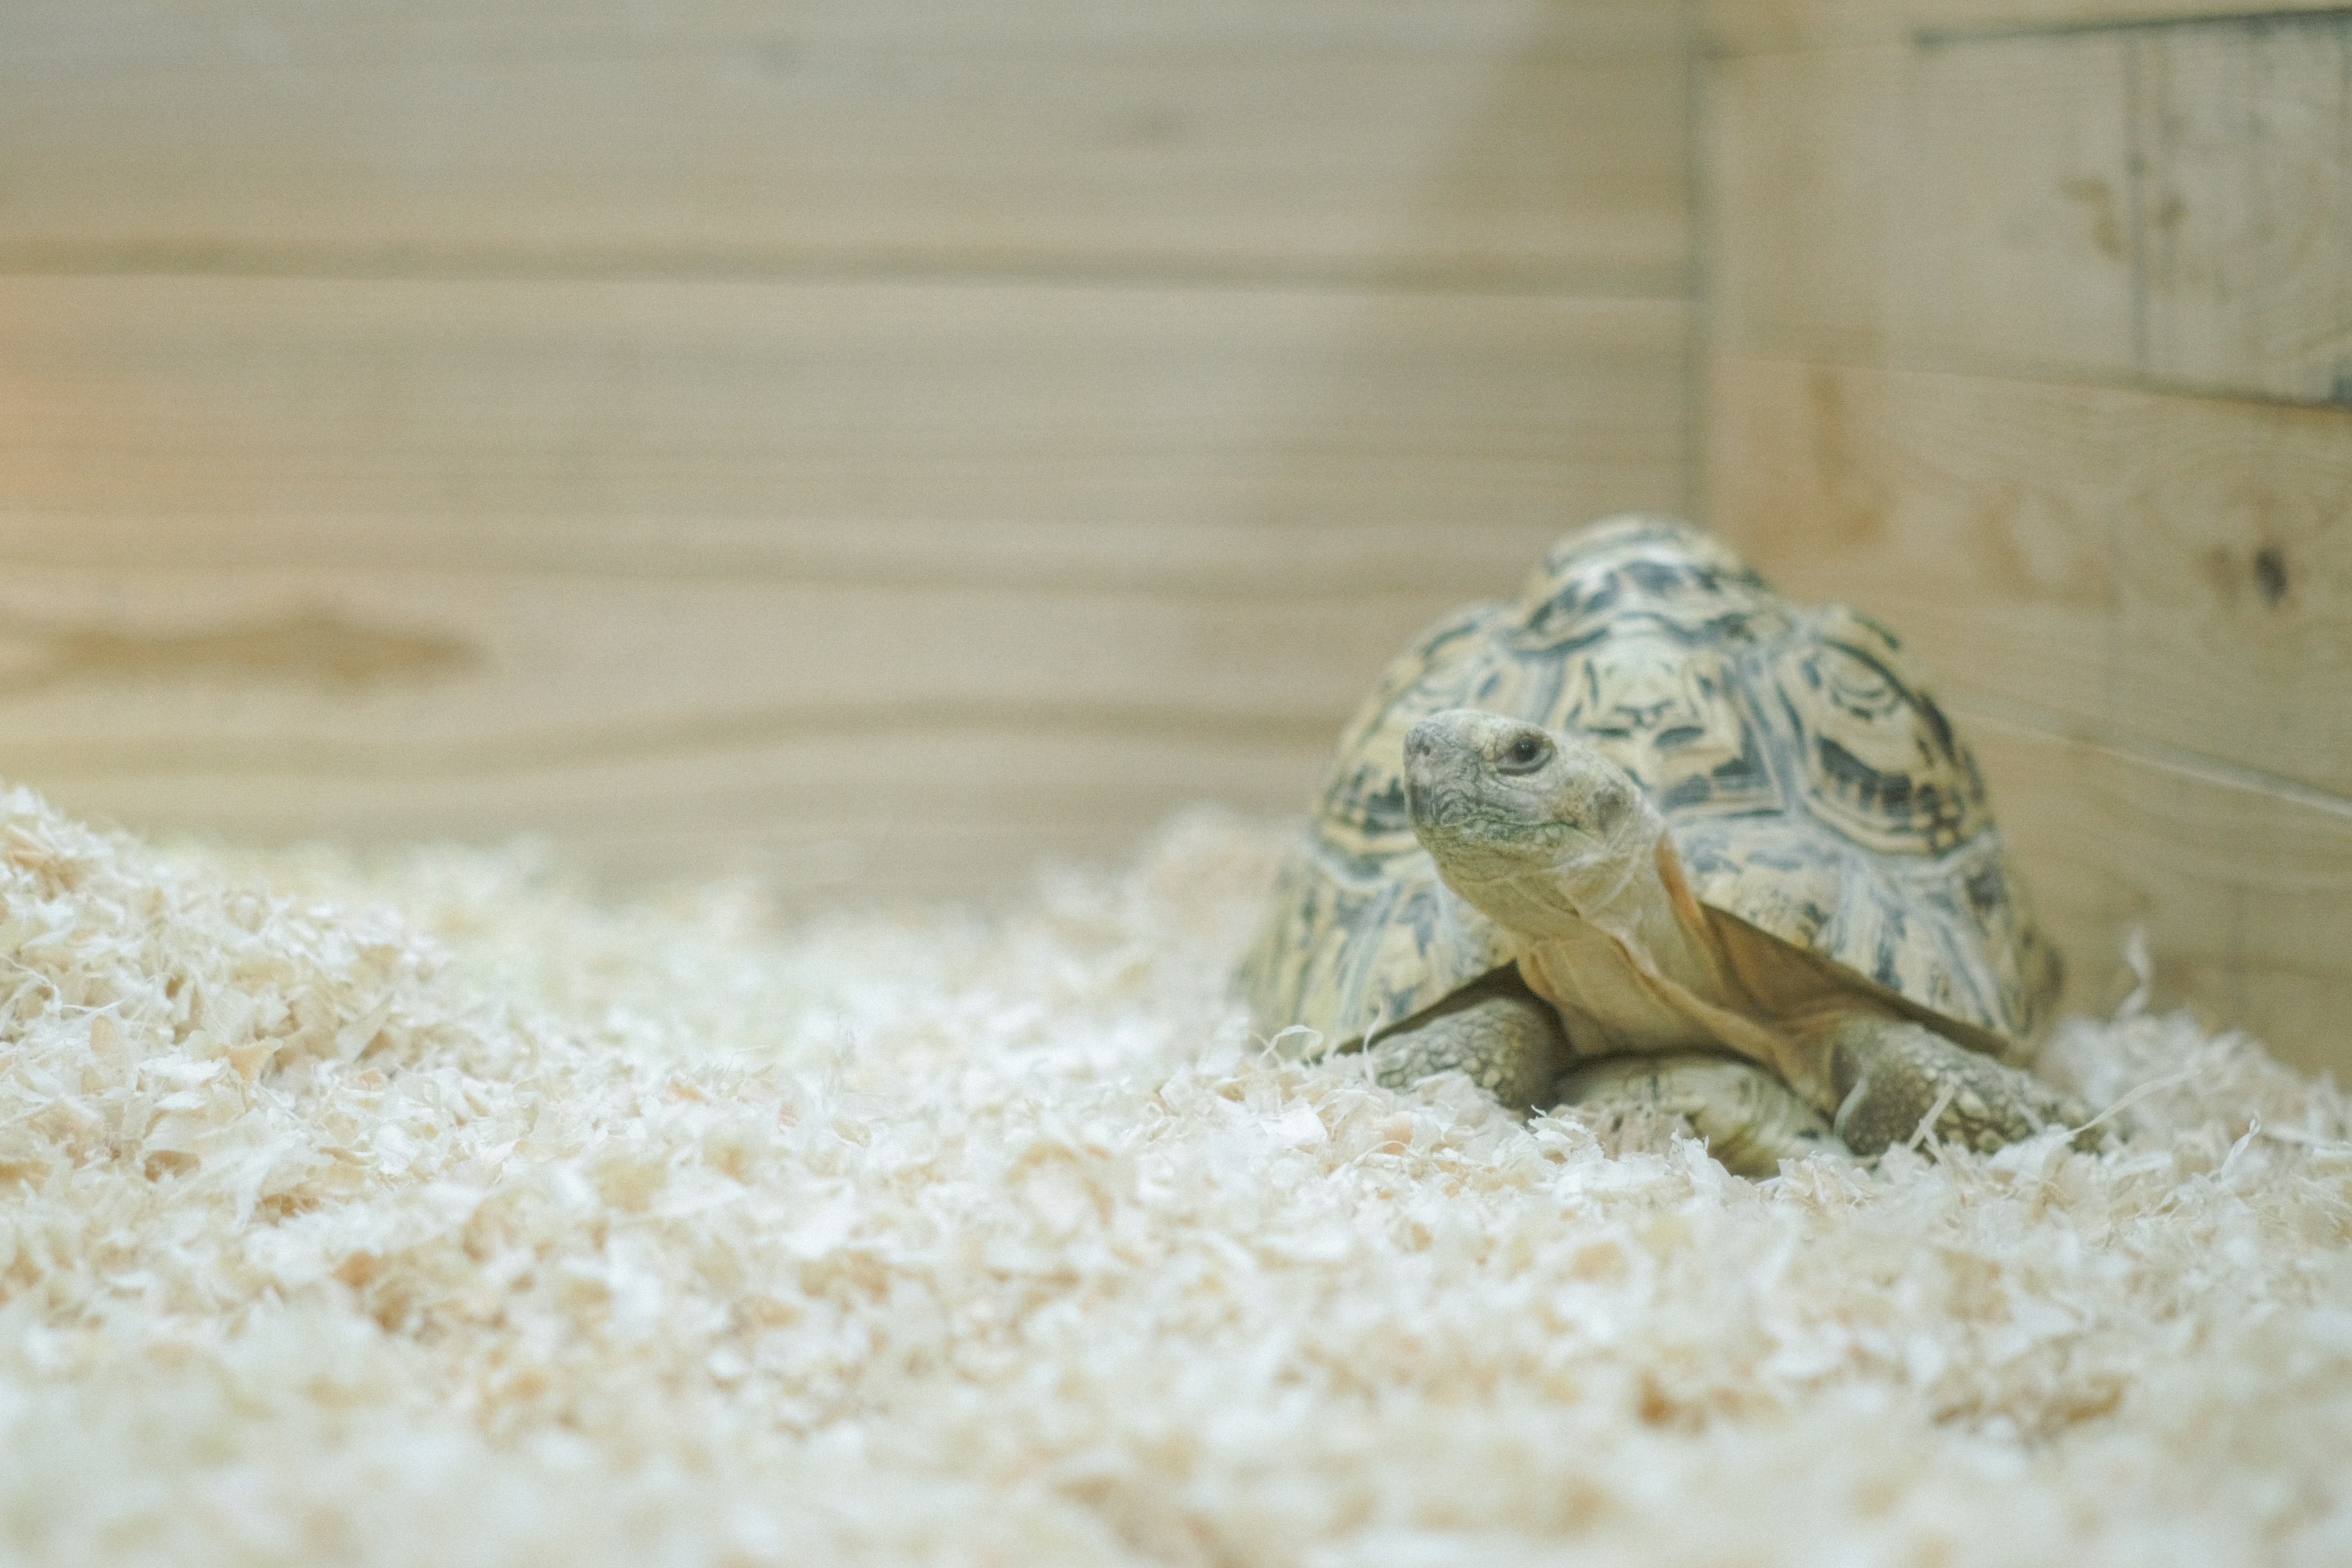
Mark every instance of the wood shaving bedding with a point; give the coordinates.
(436, 1213)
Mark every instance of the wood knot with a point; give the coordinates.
(317, 647)
(2270, 574)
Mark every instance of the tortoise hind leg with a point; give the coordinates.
(1890, 1077)
(1498, 1032)
(1748, 1117)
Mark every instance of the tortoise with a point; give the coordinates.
(1654, 836)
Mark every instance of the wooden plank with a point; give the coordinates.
(46, 36)
(2015, 239)
(902, 735)
(833, 403)
(1902, 493)
(1243, 562)
(2170, 206)
(2176, 570)
(1743, 25)
(860, 739)
(462, 669)
(870, 740)
(1802, 155)
(664, 566)
(1510, 140)
(2245, 894)
(949, 806)
(2245, 207)
(1968, 206)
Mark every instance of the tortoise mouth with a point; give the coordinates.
(1476, 836)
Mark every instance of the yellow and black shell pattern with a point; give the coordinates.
(1810, 783)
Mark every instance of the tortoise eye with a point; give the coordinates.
(1525, 754)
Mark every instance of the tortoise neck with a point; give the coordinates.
(1653, 915)
(1635, 894)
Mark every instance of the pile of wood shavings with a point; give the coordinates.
(437, 1214)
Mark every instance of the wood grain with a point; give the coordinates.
(1523, 142)
(1742, 26)
(851, 738)
(661, 567)
(951, 807)
(954, 807)
(2245, 894)
(2175, 569)
(2016, 243)
(455, 670)
(874, 403)
(2245, 207)
(2170, 206)
(895, 440)
(848, 735)
(1802, 154)
(2011, 302)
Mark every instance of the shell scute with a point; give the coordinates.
(1883, 764)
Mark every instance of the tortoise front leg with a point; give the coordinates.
(1890, 1077)
(1748, 1117)
(1498, 1032)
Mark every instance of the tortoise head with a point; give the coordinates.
(1534, 828)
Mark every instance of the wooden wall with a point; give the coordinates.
(2030, 329)
(890, 441)
(893, 438)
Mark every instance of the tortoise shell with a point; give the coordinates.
(1809, 781)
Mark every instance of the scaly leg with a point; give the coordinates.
(1748, 1117)
(1499, 1033)
(1891, 1076)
